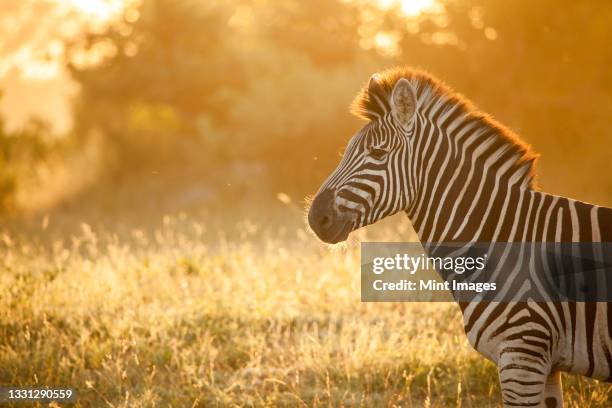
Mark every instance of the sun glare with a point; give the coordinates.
(97, 10)
(387, 43)
(39, 57)
(415, 7)
(411, 8)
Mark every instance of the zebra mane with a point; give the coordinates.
(370, 106)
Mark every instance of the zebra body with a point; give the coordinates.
(462, 177)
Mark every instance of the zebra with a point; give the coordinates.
(460, 176)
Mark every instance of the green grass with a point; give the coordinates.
(180, 316)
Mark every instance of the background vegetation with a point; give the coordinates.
(189, 92)
(154, 252)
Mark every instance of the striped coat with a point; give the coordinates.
(460, 176)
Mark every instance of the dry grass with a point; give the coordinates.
(182, 317)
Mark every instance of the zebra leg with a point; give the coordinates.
(553, 391)
(523, 380)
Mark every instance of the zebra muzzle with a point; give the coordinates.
(326, 221)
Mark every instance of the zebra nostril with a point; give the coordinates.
(325, 222)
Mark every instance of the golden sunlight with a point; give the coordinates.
(416, 7)
(411, 8)
(387, 43)
(97, 10)
(32, 49)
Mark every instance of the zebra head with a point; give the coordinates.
(371, 182)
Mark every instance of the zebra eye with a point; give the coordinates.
(377, 153)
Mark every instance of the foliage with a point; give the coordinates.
(159, 75)
(246, 81)
(20, 152)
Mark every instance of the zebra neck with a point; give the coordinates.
(462, 189)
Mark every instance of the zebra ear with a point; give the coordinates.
(403, 101)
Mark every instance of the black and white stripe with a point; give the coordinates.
(462, 177)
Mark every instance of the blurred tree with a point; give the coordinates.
(8, 178)
(21, 152)
(146, 81)
(304, 63)
(325, 31)
(269, 82)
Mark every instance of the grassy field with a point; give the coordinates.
(184, 315)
